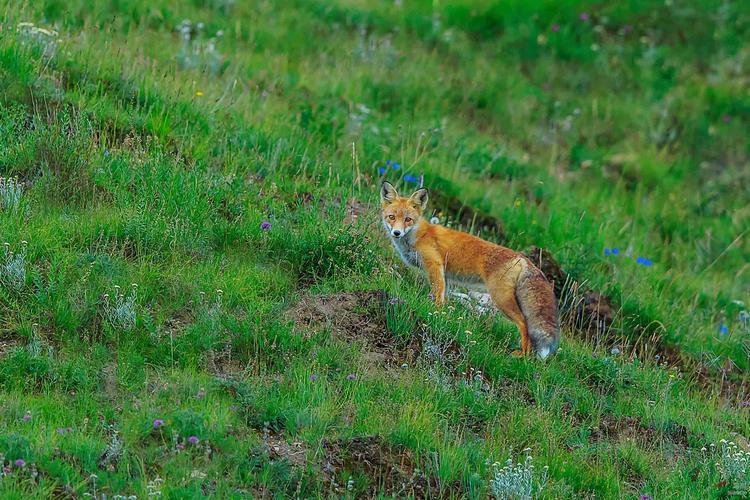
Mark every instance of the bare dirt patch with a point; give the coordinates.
(356, 317)
(390, 469)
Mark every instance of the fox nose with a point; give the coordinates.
(396, 232)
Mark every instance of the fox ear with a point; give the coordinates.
(419, 198)
(388, 192)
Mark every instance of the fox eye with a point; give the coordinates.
(392, 217)
(408, 219)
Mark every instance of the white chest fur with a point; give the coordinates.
(406, 250)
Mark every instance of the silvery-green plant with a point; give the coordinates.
(211, 310)
(43, 39)
(198, 51)
(13, 267)
(10, 193)
(733, 464)
(517, 481)
(119, 309)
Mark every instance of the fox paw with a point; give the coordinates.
(517, 353)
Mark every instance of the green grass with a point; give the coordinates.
(150, 160)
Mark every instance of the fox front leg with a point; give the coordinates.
(436, 275)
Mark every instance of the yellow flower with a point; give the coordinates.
(199, 93)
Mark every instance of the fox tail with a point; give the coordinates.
(536, 297)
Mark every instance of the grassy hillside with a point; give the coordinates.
(196, 297)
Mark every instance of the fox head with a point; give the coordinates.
(401, 215)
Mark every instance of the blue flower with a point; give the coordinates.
(723, 330)
(643, 261)
(615, 251)
(395, 166)
(411, 178)
(387, 162)
(607, 251)
(381, 170)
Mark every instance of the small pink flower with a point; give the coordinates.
(180, 446)
(158, 423)
(313, 378)
(583, 16)
(555, 28)
(26, 417)
(193, 440)
(726, 118)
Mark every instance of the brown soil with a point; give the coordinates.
(356, 317)
(390, 469)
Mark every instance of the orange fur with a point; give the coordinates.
(516, 286)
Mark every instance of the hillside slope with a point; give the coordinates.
(196, 297)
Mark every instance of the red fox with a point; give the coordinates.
(517, 287)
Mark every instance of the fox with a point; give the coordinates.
(517, 287)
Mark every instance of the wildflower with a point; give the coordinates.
(158, 423)
(381, 170)
(723, 330)
(607, 251)
(536, 376)
(411, 178)
(405, 366)
(193, 440)
(645, 497)
(583, 16)
(64, 430)
(20, 462)
(265, 226)
(201, 394)
(180, 446)
(351, 376)
(726, 118)
(744, 316)
(615, 351)
(434, 220)
(555, 28)
(313, 377)
(199, 94)
(745, 404)
(643, 261)
(615, 251)
(26, 417)
(395, 166)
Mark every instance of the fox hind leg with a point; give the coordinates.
(504, 298)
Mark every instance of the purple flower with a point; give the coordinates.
(180, 446)
(381, 170)
(20, 462)
(723, 330)
(536, 376)
(313, 377)
(265, 225)
(583, 16)
(644, 261)
(555, 28)
(645, 497)
(745, 404)
(26, 417)
(726, 118)
(351, 376)
(64, 430)
(193, 440)
(158, 423)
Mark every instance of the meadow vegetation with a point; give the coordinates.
(197, 297)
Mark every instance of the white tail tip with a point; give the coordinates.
(543, 353)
